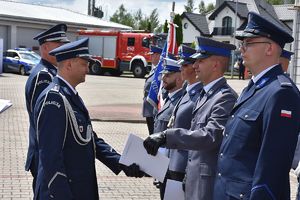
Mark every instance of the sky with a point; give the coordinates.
(110, 6)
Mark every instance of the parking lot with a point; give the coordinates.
(114, 104)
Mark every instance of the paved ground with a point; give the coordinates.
(115, 107)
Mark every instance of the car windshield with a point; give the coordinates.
(30, 56)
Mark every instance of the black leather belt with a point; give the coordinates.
(177, 176)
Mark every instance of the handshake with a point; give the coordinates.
(132, 170)
(151, 144)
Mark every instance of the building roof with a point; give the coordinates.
(259, 6)
(199, 22)
(242, 9)
(48, 14)
(284, 12)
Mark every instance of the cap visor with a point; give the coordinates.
(199, 56)
(243, 35)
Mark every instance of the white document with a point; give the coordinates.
(4, 104)
(174, 190)
(134, 152)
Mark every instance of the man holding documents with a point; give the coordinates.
(67, 143)
(182, 116)
(172, 82)
(210, 114)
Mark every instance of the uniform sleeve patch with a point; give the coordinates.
(55, 103)
(286, 113)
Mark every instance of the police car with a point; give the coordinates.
(20, 60)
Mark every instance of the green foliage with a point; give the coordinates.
(149, 26)
(179, 35)
(166, 29)
(201, 7)
(275, 2)
(136, 20)
(153, 19)
(123, 17)
(189, 7)
(205, 9)
(210, 7)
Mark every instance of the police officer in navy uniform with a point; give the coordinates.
(172, 83)
(66, 140)
(40, 77)
(149, 111)
(284, 59)
(182, 113)
(209, 117)
(261, 135)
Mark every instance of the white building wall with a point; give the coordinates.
(189, 33)
(224, 13)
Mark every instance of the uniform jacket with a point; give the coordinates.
(163, 116)
(182, 119)
(39, 79)
(148, 109)
(203, 139)
(67, 157)
(259, 141)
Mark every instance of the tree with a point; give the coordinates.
(210, 7)
(153, 19)
(190, 6)
(149, 28)
(166, 29)
(201, 7)
(179, 35)
(205, 9)
(138, 17)
(123, 17)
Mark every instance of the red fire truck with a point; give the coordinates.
(119, 51)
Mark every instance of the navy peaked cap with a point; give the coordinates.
(207, 47)
(155, 49)
(286, 54)
(185, 53)
(258, 26)
(170, 66)
(56, 33)
(74, 49)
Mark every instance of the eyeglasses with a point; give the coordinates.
(245, 45)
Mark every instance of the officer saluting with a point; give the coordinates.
(40, 77)
(261, 135)
(66, 141)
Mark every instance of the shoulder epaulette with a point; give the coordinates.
(284, 81)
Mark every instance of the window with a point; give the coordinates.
(130, 41)
(185, 25)
(227, 26)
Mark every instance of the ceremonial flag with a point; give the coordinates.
(154, 96)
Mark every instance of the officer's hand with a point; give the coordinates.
(154, 141)
(132, 171)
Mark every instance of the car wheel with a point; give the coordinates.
(22, 71)
(138, 70)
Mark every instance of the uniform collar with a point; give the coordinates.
(48, 64)
(171, 95)
(68, 84)
(211, 84)
(262, 73)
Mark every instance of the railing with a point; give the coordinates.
(223, 31)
